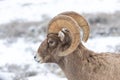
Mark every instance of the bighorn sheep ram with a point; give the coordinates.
(63, 46)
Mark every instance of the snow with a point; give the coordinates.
(6, 76)
(46, 77)
(15, 53)
(103, 44)
(30, 10)
(18, 53)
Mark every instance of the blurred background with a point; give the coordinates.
(23, 25)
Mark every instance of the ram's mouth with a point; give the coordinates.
(38, 59)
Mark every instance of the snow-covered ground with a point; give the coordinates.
(16, 58)
(20, 53)
(32, 10)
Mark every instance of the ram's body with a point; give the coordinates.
(78, 63)
(87, 65)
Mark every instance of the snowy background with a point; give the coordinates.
(23, 25)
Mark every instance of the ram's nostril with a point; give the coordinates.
(34, 57)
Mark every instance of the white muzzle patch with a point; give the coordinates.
(38, 59)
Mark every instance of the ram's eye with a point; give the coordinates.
(51, 43)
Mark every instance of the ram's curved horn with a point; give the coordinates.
(62, 21)
(82, 23)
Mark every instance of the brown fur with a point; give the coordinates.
(82, 64)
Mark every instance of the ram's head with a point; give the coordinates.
(63, 37)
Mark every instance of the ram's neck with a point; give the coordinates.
(70, 63)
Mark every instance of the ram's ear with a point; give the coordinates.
(61, 34)
(64, 36)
